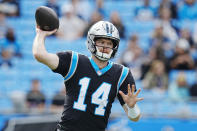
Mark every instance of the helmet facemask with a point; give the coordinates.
(101, 54)
(98, 31)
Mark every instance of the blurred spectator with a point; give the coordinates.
(53, 4)
(95, 17)
(10, 7)
(156, 78)
(187, 10)
(35, 99)
(161, 41)
(71, 26)
(133, 57)
(158, 36)
(194, 35)
(171, 5)
(3, 25)
(6, 58)
(186, 34)
(193, 91)
(58, 101)
(100, 7)
(156, 53)
(82, 9)
(179, 90)
(145, 12)
(165, 20)
(18, 100)
(116, 20)
(181, 58)
(10, 43)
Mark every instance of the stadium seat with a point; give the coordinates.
(190, 75)
(28, 9)
(6, 104)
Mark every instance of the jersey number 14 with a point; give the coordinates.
(99, 97)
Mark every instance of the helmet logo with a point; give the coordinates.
(109, 29)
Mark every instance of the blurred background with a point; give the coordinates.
(158, 43)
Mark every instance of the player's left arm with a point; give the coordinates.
(126, 95)
(130, 99)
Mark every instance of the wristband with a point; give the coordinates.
(133, 112)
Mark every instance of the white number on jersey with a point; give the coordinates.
(99, 97)
(81, 98)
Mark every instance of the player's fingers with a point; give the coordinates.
(122, 94)
(138, 91)
(38, 30)
(140, 99)
(50, 32)
(133, 88)
(53, 31)
(129, 90)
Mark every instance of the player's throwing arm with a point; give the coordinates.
(47, 24)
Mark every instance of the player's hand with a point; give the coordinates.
(44, 33)
(131, 99)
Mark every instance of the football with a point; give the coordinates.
(46, 18)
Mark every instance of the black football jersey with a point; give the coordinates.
(90, 91)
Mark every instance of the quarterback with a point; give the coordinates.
(92, 83)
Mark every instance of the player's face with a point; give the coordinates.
(104, 45)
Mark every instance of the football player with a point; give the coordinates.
(92, 84)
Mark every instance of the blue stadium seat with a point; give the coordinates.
(140, 26)
(29, 7)
(5, 104)
(147, 107)
(165, 108)
(193, 107)
(190, 75)
(50, 88)
(7, 74)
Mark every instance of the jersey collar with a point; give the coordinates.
(100, 71)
